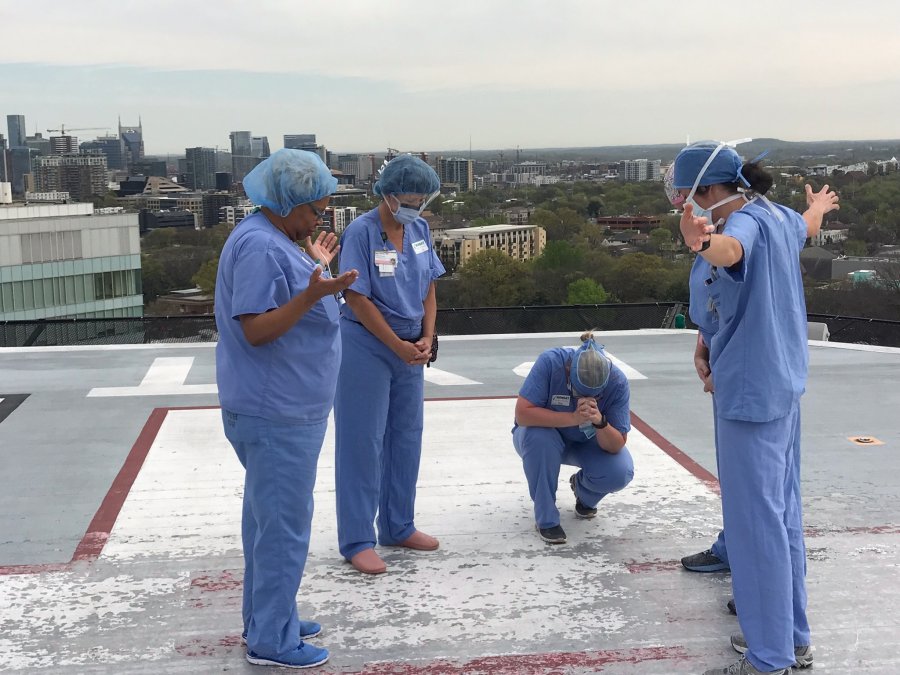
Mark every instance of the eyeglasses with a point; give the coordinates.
(319, 214)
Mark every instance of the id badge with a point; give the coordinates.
(560, 400)
(420, 246)
(386, 262)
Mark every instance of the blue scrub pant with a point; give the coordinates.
(378, 412)
(718, 548)
(280, 461)
(543, 450)
(759, 471)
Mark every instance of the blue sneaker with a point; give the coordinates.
(705, 561)
(308, 629)
(304, 656)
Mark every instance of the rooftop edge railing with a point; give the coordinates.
(452, 321)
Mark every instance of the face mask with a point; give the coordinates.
(405, 215)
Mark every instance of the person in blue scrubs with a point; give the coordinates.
(387, 330)
(703, 313)
(276, 360)
(758, 363)
(573, 409)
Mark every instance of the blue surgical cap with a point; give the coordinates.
(590, 370)
(407, 175)
(725, 167)
(288, 178)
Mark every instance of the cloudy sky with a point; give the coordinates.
(423, 75)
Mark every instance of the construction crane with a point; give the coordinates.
(62, 129)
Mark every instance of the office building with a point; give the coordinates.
(639, 170)
(132, 138)
(111, 147)
(522, 242)
(63, 145)
(200, 168)
(212, 205)
(149, 167)
(15, 124)
(456, 174)
(65, 260)
(18, 166)
(3, 170)
(301, 142)
(82, 176)
(38, 144)
(247, 151)
(223, 180)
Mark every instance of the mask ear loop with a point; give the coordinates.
(762, 198)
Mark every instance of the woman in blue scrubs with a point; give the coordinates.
(387, 332)
(758, 365)
(573, 409)
(276, 360)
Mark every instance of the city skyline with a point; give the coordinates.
(433, 77)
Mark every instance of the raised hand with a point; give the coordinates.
(694, 230)
(824, 200)
(324, 248)
(320, 286)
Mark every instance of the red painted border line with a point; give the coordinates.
(91, 545)
(679, 456)
(529, 664)
(94, 539)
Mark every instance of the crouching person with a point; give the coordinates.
(573, 409)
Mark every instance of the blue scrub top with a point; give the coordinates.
(399, 298)
(547, 387)
(759, 355)
(292, 378)
(702, 312)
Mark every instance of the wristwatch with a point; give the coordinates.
(705, 245)
(603, 422)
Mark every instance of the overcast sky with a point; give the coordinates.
(365, 75)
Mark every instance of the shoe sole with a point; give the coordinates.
(797, 665)
(260, 661)
(308, 636)
(548, 540)
(718, 567)
(587, 516)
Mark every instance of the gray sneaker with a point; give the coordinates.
(803, 655)
(744, 667)
(705, 561)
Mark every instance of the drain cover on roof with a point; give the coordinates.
(864, 440)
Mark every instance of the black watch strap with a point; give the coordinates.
(603, 422)
(705, 245)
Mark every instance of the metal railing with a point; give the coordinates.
(463, 321)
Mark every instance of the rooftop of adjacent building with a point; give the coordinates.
(120, 550)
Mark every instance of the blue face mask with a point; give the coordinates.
(405, 215)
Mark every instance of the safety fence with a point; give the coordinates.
(468, 321)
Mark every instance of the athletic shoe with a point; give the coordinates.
(744, 667)
(705, 561)
(803, 655)
(308, 629)
(304, 656)
(581, 510)
(552, 535)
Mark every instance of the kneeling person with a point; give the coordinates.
(573, 409)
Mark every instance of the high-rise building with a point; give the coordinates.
(18, 168)
(80, 175)
(111, 147)
(64, 145)
(200, 169)
(213, 203)
(247, 151)
(456, 173)
(38, 144)
(223, 181)
(301, 142)
(639, 170)
(3, 170)
(64, 260)
(132, 143)
(16, 126)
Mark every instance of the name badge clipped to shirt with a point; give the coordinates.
(560, 399)
(420, 246)
(386, 262)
